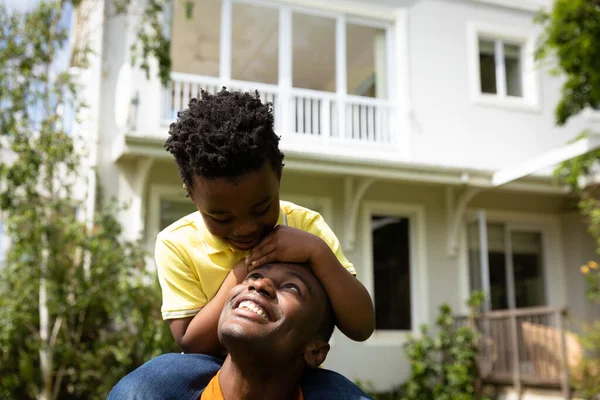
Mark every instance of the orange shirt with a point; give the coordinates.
(213, 390)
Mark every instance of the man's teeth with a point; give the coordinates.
(252, 306)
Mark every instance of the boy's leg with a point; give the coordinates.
(169, 376)
(323, 384)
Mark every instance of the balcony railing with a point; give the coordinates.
(300, 113)
(527, 347)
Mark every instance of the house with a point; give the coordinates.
(420, 129)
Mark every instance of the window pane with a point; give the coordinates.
(497, 262)
(527, 264)
(195, 37)
(172, 210)
(254, 43)
(487, 66)
(366, 61)
(313, 52)
(514, 72)
(391, 263)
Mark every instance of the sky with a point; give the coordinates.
(21, 5)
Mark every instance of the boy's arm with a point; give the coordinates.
(351, 302)
(198, 334)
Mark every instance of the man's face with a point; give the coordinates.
(279, 308)
(241, 212)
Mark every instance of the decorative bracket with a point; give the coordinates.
(144, 164)
(456, 207)
(354, 192)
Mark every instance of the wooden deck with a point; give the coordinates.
(527, 347)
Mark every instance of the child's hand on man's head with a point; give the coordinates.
(285, 244)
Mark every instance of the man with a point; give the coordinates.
(275, 325)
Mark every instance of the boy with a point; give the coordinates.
(229, 160)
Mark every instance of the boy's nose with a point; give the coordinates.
(245, 230)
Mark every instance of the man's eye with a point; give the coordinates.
(254, 276)
(293, 287)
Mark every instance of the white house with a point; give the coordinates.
(420, 129)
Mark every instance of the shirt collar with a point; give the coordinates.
(214, 245)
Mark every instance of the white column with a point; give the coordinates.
(483, 259)
(283, 110)
(381, 61)
(225, 48)
(340, 73)
(399, 76)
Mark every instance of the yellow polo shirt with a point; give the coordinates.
(192, 263)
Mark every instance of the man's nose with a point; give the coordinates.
(263, 286)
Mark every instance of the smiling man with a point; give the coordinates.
(275, 326)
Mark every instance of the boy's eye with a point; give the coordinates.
(221, 221)
(263, 211)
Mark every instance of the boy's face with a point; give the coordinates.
(240, 212)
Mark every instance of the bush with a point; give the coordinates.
(443, 365)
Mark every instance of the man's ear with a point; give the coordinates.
(315, 353)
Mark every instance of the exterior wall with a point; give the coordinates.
(447, 127)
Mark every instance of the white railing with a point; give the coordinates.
(310, 113)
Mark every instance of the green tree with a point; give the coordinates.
(78, 308)
(570, 43)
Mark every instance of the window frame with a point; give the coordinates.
(548, 225)
(419, 293)
(341, 12)
(157, 193)
(530, 79)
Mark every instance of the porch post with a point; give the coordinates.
(565, 383)
(483, 259)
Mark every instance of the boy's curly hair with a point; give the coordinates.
(224, 135)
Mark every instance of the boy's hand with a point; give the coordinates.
(285, 244)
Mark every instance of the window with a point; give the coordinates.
(366, 59)
(254, 43)
(391, 272)
(313, 52)
(516, 266)
(502, 70)
(195, 37)
(172, 210)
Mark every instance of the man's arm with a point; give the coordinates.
(198, 334)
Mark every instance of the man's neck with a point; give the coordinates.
(248, 379)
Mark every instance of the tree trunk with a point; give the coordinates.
(45, 350)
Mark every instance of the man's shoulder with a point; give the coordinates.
(183, 229)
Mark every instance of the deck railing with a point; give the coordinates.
(298, 112)
(527, 347)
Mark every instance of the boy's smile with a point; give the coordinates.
(240, 211)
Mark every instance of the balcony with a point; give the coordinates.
(325, 72)
(307, 120)
(527, 347)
